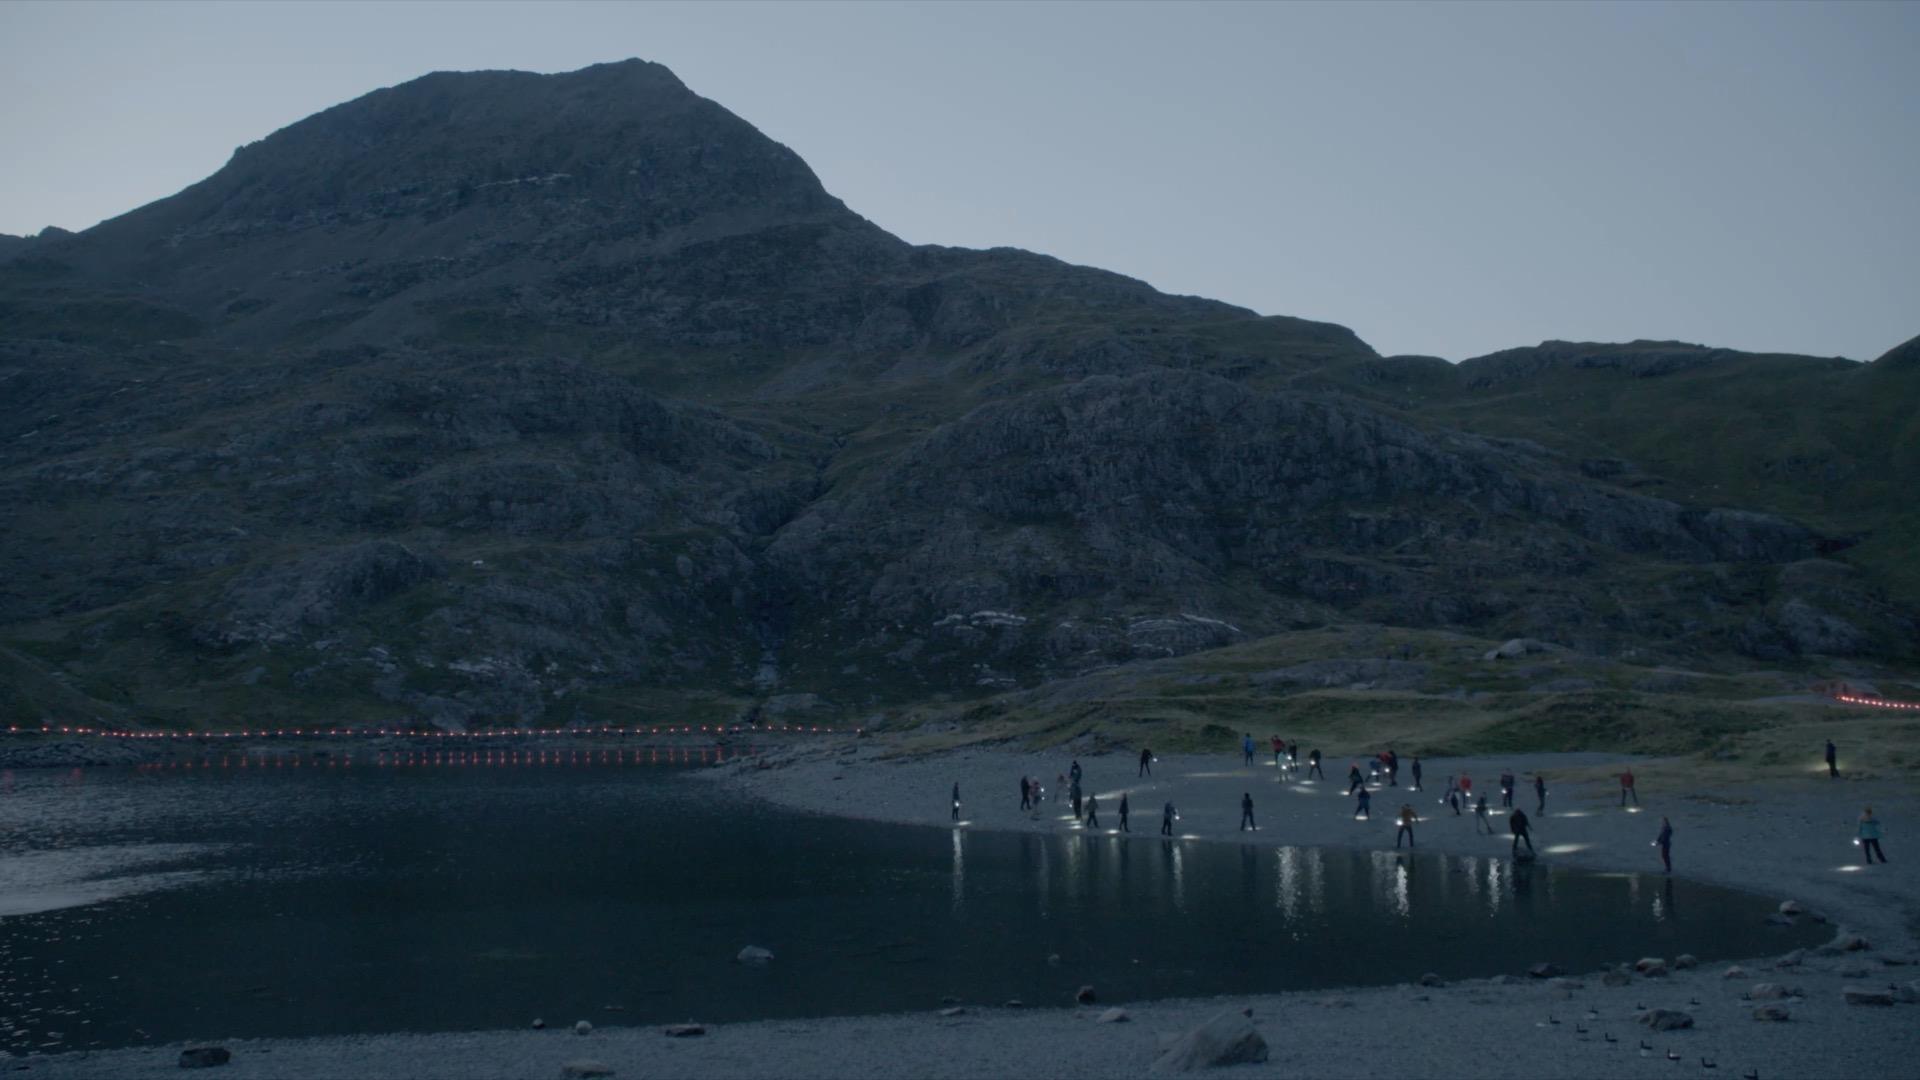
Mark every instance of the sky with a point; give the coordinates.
(1445, 179)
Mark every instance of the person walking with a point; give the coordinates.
(1453, 799)
(1093, 811)
(1665, 843)
(1246, 748)
(1416, 774)
(1074, 773)
(1279, 750)
(1365, 807)
(1166, 820)
(1517, 825)
(1506, 790)
(1246, 812)
(1026, 793)
(1626, 788)
(1466, 787)
(1293, 755)
(956, 800)
(1540, 792)
(1073, 794)
(1123, 813)
(1146, 762)
(1355, 782)
(1833, 760)
(1407, 818)
(1480, 816)
(1313, 764)
(1870, 836)
(1393, 768)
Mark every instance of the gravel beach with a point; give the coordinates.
(1782, 839)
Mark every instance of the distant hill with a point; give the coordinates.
(507, 397)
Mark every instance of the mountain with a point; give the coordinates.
(507, 397)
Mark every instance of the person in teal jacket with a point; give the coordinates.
(1870, 836)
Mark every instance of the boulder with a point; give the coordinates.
(1867, 995)
(1907, 994)
(1430, 979)
(1650, 966)
(1015, 1003)
(684, 1031)
(1616, 977)
(1685, 962)
(585, 1068)
(581, 1027)
(538, 1023)
(1545, 971)
(204, 1057)
(1792, 959)
(1666, 1019)
(1791, 907)
(753, 954)
(953, 1010)
(1227, 1039)
(1566, 984)
(1768, 992)
(1085, 995)
(1115, 1015)
(1734, 972)
(1775, 1013)
(1851, 943)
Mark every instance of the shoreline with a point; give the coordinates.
(1780, 839)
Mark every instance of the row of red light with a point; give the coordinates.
(1878, 703)
(716, 729)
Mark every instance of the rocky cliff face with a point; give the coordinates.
(497, 396)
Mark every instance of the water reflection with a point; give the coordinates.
(959, 868)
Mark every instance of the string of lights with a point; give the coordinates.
(1878, 703)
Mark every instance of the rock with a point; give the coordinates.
(1085, 995)
(953, 1010)
(1863, 995)
(1767, 991)
(949, 1000)
(1734, 972)
(204, 1057)
(1566, 984)
(1907, 994)
(753, 954)
(1544, 971)
(1227, 1039)
(1791, 907)
(1771, 1012)
(684, 1031)
(1115, 1015)
(584, 1067)
(1666, 1019)
(1053, 959)
(581, 1027)
(1650, 966)
(1685, 962)
(1620, 976)
(1015, 1003)
(1430, 979)
(1851, 943)
(538, 1023)
(1792, 959)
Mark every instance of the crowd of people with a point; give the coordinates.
(1383, 771)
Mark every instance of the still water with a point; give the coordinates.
(285, 897)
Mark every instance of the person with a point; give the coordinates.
(1870, 836)
(1517, 825)
(1313, 764)
(1355, 782)
(1540, 792)
(1026, 793)
(1407, 818)
(1293, 755)
(1453, 798)
(1074, 773)
(1365, 809)
(1093, 811)
(1506, 790)
(1833, 760)
(1416, 774)
(1665, 843)
(1246, 747)
(1480, 816)
(1146, 762)
(1246, 812)
(1466, 787)
(1279, 748)
(1073, 793)
(1123, 813)
(1393, 768)
(956, 800)
(1626, 788)
(1166, 820)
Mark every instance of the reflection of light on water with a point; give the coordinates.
(1179, 878)
(1288, 899)
(1402, 903)
(1633, 809)
(1316, 880)
(1565, 849)
(959, 867)
(1849, 869)
(1190, 836)
(1574, 813)
(1470, 867)
(1659, 910)
(1495, 868)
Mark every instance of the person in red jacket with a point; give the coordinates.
(1626, 788)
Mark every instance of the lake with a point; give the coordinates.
(248, 896)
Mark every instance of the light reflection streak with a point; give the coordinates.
(1288, 898)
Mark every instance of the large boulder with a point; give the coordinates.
(204, 1057)
(1867, 995)
(1650, 966)
(1666, 1019)
(754, 954)
(1227, 1039)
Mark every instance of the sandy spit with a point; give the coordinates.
(1789, 840)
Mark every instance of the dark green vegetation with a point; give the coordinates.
(502, 397)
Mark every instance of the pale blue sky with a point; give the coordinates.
(1442, 178)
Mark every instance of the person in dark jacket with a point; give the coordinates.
(1416, 774)
(1518, 825)
(1026, 794)
(1123, 813)
(1833, 760)
(1480, 816)
(1540, 792)
(1246, 748)
(1407, 818)
(1355, 782)
(1093, 811)
(1506, 791)
(1146, 762)
(1073, 794)
(1869, 836)
(1365, 807)
(1246, 812)
(1166, 820)
(1665, 843)
(1313, 764)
